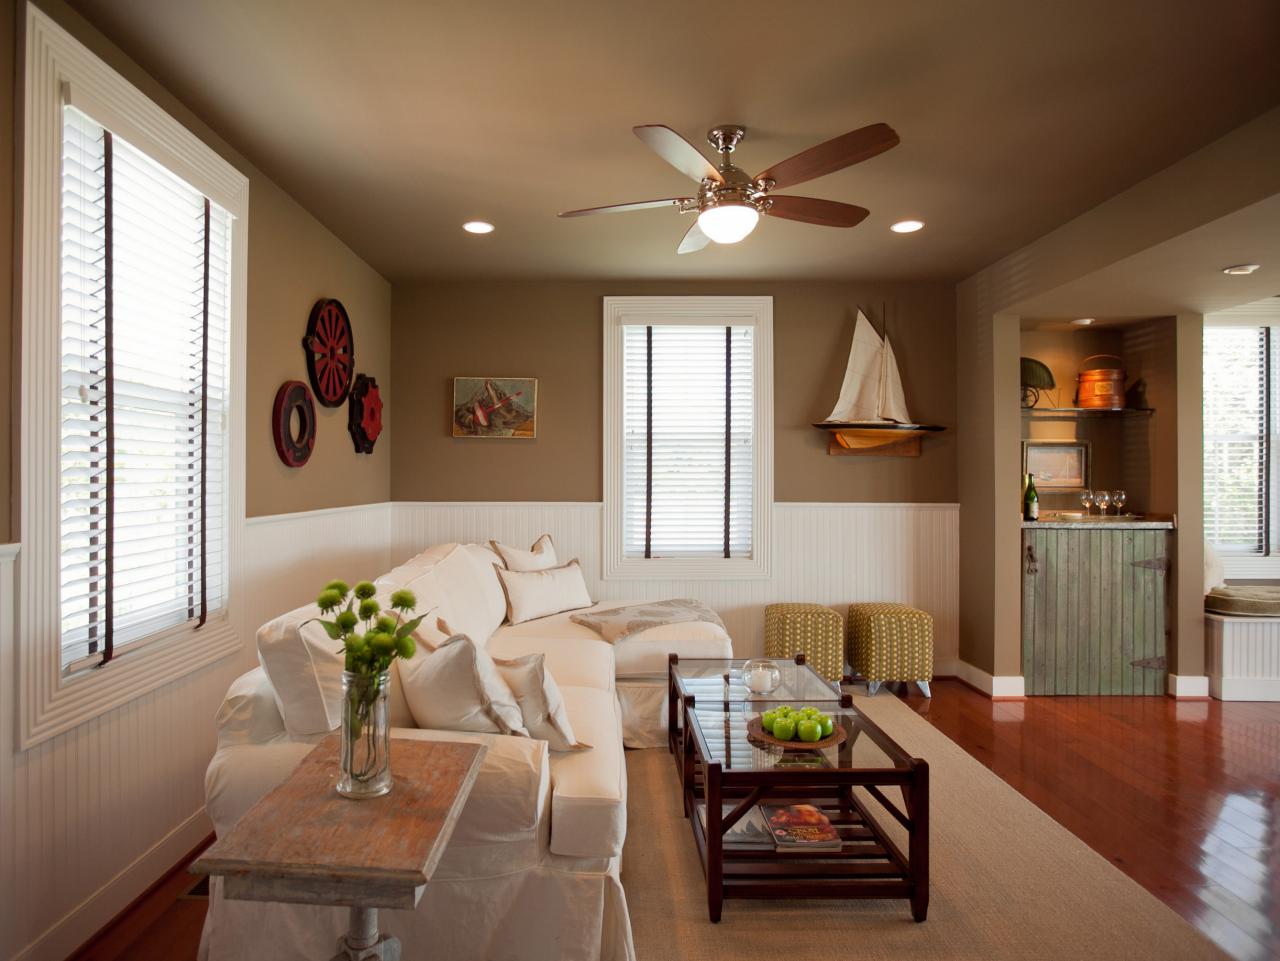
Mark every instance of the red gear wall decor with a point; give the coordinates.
(294, 451)
(364, 413)
(331, 351)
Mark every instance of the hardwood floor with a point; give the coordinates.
(1184, 797)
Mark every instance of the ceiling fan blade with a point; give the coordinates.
(844, 151)
(825, 213)
(694, 239)
(677, 151)
(622, 208)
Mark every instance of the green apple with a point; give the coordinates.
(809, 730)
(810, 711)
(767, 719)
(782, 710)
(784, 728)
(826, 725)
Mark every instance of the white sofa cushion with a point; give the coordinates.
(457, 687)
(541, 703)
(575, 662)
(249, 714)
(540, 557)
(304, 666)
(642, 654)
(589, 788)
(462, 587)
(533, 594)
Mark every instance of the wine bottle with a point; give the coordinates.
(1031, 501)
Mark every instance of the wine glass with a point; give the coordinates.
(1086, 501)
(1103, 500)
(1118, 498)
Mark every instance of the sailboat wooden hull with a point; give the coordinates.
(889, 440)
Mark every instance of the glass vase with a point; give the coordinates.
(365, 760)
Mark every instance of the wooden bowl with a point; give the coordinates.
(757, 733)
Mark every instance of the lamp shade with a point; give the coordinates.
(728, 223)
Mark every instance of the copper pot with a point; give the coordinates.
(1100, 387)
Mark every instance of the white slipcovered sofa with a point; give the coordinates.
(532, 871)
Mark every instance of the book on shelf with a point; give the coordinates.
(800, 827)
(749, 834)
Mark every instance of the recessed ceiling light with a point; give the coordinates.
(907, 226)
(477, 227)
(1239, 269)
(1083, 321)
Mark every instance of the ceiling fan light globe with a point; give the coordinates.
(728, 223)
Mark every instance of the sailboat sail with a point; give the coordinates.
(872, 388)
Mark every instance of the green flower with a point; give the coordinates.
(357, 645)
(328, 600)
(382, 643)
(369, 609)
(387, 625)
(345, 620)
(339, 586)
(405, 647)
(403, 600)
(365, 590)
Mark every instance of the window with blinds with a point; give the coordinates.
(688, 435)
(1239, 425)
(145, 295)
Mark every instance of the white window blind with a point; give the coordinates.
(1238, 425)
(146, 303)
(688, 441)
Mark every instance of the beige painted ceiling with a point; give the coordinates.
(394, 121)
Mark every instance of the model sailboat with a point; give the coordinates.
(871, 413)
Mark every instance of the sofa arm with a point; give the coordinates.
(509, 799)
(249, 713)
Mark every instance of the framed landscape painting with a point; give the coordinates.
(495, 407)
(1057, 465)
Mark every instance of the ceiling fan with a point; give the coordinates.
(729, 203)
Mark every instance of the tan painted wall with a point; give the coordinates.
(552, 331)
(293, 260)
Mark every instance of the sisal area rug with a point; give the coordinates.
(1007, 882)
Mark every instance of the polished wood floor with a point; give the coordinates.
(1184, 797)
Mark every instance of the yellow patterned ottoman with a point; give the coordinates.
(811, 629)
(890, 642)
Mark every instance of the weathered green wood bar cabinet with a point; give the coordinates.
(1094, 606)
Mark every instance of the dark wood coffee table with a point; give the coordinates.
(868, 787)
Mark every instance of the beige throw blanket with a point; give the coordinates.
(618, 623)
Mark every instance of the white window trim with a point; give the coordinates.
(59, 70)
(756, 312)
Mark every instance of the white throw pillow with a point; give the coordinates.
(533, 594)
(541, 704)
(540, 557)
(457, 687)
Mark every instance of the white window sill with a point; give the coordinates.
(686, 568)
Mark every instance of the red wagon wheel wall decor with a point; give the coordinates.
(293, 447)
(364, 414)
(330, 349)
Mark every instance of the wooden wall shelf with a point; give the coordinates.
(889, 440)
(1071, 413)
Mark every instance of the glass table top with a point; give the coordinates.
(720, 679)
(722, 736)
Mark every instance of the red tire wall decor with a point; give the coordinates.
(364, 414)
(330, 349)
(294, 449)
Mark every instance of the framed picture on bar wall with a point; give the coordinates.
(1057, 465)
(495, 407)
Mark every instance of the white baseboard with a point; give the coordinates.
(1244, 688)
(83, 922)
(994, 686)
(1188, 685)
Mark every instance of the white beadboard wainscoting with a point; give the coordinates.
(827, 553)
(91, 817)
(1244, 657)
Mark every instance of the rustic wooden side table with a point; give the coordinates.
(305, 844)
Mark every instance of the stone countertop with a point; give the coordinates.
(1148, 522)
